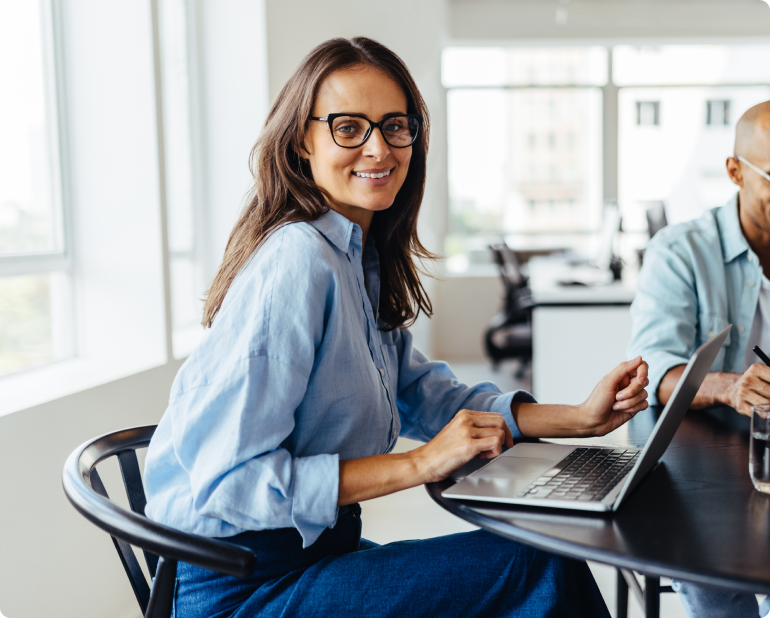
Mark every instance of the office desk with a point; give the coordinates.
(696, 516)
(579, 333)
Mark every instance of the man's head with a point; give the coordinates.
(752, 143)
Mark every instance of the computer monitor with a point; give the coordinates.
(610, 228)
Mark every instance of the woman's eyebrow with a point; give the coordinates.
(387, 115)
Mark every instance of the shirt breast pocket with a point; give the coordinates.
(709, 326)
(390, 352)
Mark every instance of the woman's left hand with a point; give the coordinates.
(616, 398)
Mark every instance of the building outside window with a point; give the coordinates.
(718, 113)
(526, 129)
(648, 113)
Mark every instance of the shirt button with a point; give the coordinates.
(711, 333)
(382, 372)
(751, 258)
(741, 329)
(395, 433)
(751, 283)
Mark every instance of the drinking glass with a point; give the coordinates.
(759, 451)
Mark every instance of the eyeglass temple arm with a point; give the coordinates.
(762, 173)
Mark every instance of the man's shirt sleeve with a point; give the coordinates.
(664, 313)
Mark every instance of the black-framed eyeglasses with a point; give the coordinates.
(352, 130)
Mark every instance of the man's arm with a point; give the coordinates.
(739, 391)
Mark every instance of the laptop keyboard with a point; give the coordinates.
(585, 474)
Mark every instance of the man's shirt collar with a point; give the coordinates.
(731, 235)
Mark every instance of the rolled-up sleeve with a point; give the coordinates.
(664, 313)
(233, 408)
(228, 439)
(430, 395)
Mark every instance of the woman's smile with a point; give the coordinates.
(374, 177)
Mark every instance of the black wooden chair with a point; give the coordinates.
(162, 546)
(647, 596)
(510, 332)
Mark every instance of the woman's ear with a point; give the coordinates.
(304, 150)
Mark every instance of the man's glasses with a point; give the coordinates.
(352, 130)
(764, 175)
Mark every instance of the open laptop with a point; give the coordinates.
(587, 478)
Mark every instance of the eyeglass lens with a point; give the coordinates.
(351, 131)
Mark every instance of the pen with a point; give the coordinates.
(757, 350)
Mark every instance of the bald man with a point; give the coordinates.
(697, 278)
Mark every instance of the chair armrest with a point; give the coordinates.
(143, 532)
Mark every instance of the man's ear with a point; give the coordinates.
(734, 171)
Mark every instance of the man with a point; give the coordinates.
(697, 278)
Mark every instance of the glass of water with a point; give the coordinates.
(759, 451)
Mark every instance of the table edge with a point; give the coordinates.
(586, 552)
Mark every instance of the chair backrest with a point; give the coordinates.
(162, 546)
(518, 297)
(656, 217)
(510, 269)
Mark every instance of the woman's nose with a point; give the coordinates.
(376, 146)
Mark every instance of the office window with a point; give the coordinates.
(34, 267)
(677, 108)
(648, 113)
(525, 141)
(701, 90)
(187, 284)
(717, 113)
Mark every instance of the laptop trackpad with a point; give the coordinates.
(506, 477)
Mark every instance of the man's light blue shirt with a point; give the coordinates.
(697, 278)
(293, 376)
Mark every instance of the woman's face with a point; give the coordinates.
(372, 93)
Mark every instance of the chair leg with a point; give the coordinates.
(651, 596)
(621, 595)
(162, 596)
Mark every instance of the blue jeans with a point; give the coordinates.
(470, 574)
(702, 601)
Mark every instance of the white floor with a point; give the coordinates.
(411, 514)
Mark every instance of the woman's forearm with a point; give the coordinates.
(379, 475)
(548, 420)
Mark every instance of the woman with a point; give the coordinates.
(283, 418)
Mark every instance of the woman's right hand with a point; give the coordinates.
(467, 435)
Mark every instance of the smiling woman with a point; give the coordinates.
(285, 416)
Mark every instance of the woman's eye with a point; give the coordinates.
(347, 129)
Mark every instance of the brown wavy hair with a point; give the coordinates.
(284, 190)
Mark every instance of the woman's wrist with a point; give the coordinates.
(549, 421)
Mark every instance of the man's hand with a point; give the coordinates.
(750, 389)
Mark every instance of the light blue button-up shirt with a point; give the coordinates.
(697, 278)
(293, 376)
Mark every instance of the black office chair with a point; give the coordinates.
(510, 332)
(162, 546)
(656, 217)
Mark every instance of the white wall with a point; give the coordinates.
(52, 561)
(514, 20)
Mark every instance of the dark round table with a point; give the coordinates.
(696, 516)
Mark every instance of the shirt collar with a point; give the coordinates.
(336, 228)
(731, 235)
